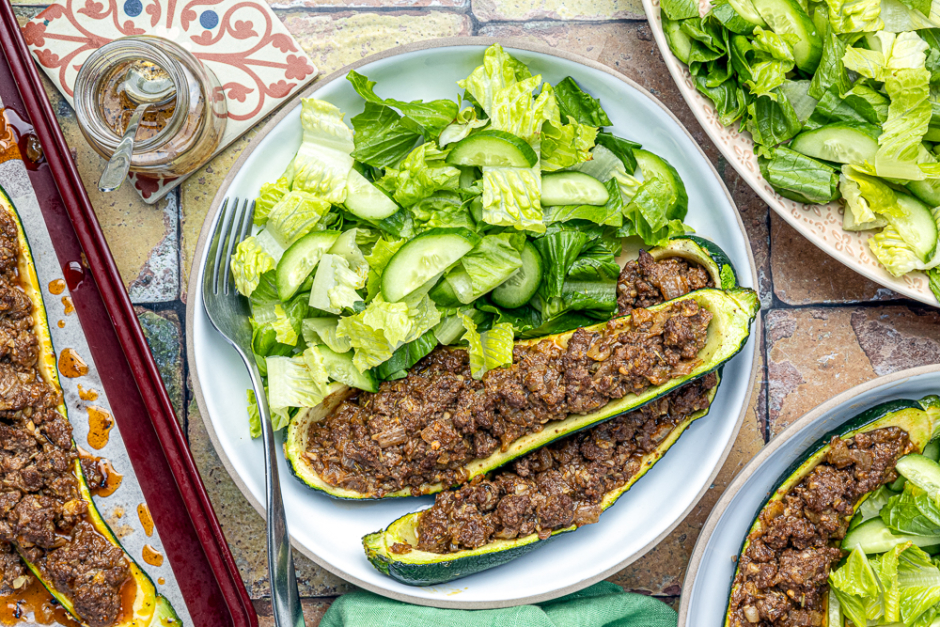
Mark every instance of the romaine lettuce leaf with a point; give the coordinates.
(919, 581)
(254, 416)
(406, 356)
(465, 122)
(798, 177)
(855, 583)
(515, 111)
(295, 215)
(499, 70)
(933, 280)
(383, 137)
(268, 196)
(908, 118)
(895, 254)
(772, 121)
(582, 107)
(335, 284)
(773, 58)
(323, 331)
(492, 261)
(620, 148)
(377, 331)
(431, 116)
(381, 253)
(422, 173)
(647, 214)
(248, 263)
(490, 349)
(866, 194)
(269, 244)
(512, 197)
(855, 16)
(323, 160)
(902, 515)
(559, 248)
(831, 74)
(566, 146)
(313, 358)
(442, 210)
(680, 9)
(292, 384)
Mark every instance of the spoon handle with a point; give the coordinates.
(116, 170)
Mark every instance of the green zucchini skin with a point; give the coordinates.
(734, 312)
(703, 252)
(920, 419)
(150, 609)
(433, 568)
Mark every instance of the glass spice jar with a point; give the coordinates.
(173, 138)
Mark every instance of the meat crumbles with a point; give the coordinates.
(781, 578)
(645, 281)
(42, 515)
(422, 429)
(556, 486)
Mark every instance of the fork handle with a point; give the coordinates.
(284, 596)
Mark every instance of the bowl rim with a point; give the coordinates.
(509, 43)
(792, 430)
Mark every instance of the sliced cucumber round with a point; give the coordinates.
(917, 226)
(365, 200)
(573, 188)
(927, 191)
(494, 149)
(423, 258)
(300, 259)
(843, 142)
(654, 165)
(521, 286)
(787, 17)
(873, 536)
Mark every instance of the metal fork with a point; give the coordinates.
(229, 311)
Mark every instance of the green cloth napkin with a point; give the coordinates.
(602, 605)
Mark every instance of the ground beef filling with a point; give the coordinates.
(781, 579)
(42, 514)
(646, 282)
(422, 429)
(556, 486)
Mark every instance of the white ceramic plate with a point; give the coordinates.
(711, 569)
(820, 224)
(329, 531)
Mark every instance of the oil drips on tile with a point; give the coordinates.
(69, 307)
(146, 520)
(57, 286)
(29, 603)
(152, 556)
(74, 273)
(100, 423)
(71, 364)
(87, 395)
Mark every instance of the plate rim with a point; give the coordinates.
(193, 283)
(792, 430)
(672, 65)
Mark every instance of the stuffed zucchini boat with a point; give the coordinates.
(550, 491)
(47, 514)
(556, 386)
(784, 564)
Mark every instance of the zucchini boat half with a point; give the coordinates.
(918, 419)
(422, 568)
(703, 252)
(141, 605)
(733, 312)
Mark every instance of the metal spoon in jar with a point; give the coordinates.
(147, 90)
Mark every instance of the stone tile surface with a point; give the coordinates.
(165, 336)
(580, 10)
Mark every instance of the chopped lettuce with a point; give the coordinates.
(499, 71)
(559, 248)
(773, 58)
(323, 160)
(865, 195)
(490, 349)
(323, 331)
(383, 137)
(291, 383)
(515, 111)
(490, 263)
(831, 73)
(254, 415)
(295, 215)
(465, 122)
(512, 197)
(798, 177)
(577, 106)
(903, 516)
(431, 116)
(855, 16)
(647, 214)
(381, 253)
(269, 195)
(248, 263)
(377, 331)
(406, 356)
(423, 172)
(335, 284)
(566, 146)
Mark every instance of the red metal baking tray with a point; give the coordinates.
(192, 538)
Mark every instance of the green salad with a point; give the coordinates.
(892, 575)
(842, 100)
(476, 221)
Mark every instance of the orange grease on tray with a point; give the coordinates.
(32, 604)
(71, 364)
(99, 426)
(8, 148)
(87, 395)
(152, 556)
(143, 512)
(57, 286)
(61, 324)
(111, 479)
(161, 581)
(128, 596)
(24, 145)
(69, 307)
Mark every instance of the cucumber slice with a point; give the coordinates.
(932, 450)
(365, 200)
(573, 188)
(679, 42)
(423, 258)
(748, 12)
(523, 283)
(493, 148)
(922, 472)
(843, 142)
(300, 259)
(654, 165)
(873, 536)
(917, 227)
(340, 367)
(787, 17)
(927, 191)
